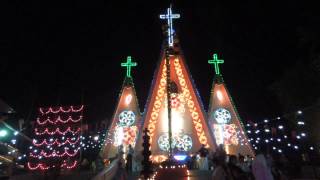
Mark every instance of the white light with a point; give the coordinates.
(300, 123)
(296, 147)
(35, 150)
(30, 147)
(258, 138)
(279, 140)
(299, 112)
(298, 137)
(303, 134)
(266, 120)
(280, 127)
(289, 144)
(267, 130)
(169, 16)
(274, 148)
(248, 125)
(219, 95)
(13, 141)
(249, 132)
(16, 133)
(311, 148)
(19, 157)
(278, 118)
(285, 136)
(266, 140)
(257, 131)
(279, 150)
(96, 138)
(128, 99)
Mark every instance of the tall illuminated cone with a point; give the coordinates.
(124, 127)
(189, 128)
(223, 117)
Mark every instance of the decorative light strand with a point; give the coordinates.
(195, 114)
(44, 142)
(42, 166)
(57, 131)
(60, 109)
(55, 154)
(74, 164)
(59, 120)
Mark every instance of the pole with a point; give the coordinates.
(169, 100)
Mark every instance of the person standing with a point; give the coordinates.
(260, 167)
(129, 158)
(203, 161)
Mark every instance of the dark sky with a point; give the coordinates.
(70, 53)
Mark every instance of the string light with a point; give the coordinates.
(60, 109)
(57, 131)
(44, 142)
(59, 120)
(55, 154)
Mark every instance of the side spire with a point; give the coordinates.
(128, 65)
(169, 17)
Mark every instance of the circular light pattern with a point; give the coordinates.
(163, 142)
(222, 116)
(126, 118)
(184, 143)
(179, 142)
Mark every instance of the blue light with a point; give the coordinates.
(169, 16)
(180, 157)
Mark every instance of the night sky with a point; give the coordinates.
(70, 53)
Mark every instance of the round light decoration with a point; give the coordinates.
(222, 116)
(163, 142)
(184, 143)
(126, 118)
(180, 142)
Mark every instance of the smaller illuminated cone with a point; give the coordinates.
(124, 127)
(223, 117)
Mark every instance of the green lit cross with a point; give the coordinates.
(216, 63)
(128, 65)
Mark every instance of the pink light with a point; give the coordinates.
(60, 109)
(55, 154)
(44, 142)
(57, 131)
(59, 120)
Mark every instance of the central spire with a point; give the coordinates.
(169, 17)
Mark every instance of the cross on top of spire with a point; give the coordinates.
(216, 63)
(128, 65)
(169, 16)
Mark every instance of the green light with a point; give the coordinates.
(128, 65)
(3, 133)
(216, 63)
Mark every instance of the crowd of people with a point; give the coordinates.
(222, 166)
(232, 167)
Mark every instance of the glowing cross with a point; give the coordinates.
(169, 16)
(128, 65)
(216, 63)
